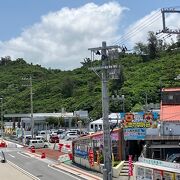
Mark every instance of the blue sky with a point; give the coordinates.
(15, 15)
(18, 16)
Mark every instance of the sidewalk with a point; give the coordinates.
(76, 171)
(9, 172)
(84, 173)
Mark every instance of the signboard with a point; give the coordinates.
(134, 133)
(141, 119)
(91, 157)
(64, 158)
(137, 125)
(114, 136)
(130, 166)
(168, 175)
(81, 153)
(157, 174)
(160, 163)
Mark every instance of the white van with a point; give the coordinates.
(39, 138)
(37, 144)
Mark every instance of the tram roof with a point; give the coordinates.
(95, 134)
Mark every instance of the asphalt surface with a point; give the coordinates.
(8, 172)
(36, 166)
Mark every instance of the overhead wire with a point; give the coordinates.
(147, 22)
(134, 32)
(137, 29)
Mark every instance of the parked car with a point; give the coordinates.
(54, 139)
(40, 138)
(53, 132)
(37, 144)
(174, 158)
(71, 135)
(63, 135)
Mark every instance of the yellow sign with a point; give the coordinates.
(137, 125)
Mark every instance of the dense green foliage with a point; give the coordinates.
(80, 88)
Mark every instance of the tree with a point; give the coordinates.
(61, 122)
(87, 62)
(152, 45)
(52, 121)
(141, 48)
(67, 87)
(138, 107)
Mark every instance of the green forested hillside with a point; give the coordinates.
(81, 88)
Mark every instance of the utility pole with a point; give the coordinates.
(107, 147)
(165, 29)
(31, 104)
(2, 124)
(31, 99)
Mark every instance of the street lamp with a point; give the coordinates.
(1, 116)
(80, 126)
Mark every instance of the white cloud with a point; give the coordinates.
(62, 38)
(138, 31)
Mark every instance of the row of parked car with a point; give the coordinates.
(66, 135)
(53, 136)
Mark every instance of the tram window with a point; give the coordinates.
(100, 126)
(96, 128)
(177, 160)
(91, 126)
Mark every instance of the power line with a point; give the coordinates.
(137, 31)
(147, 22)
(133, 33)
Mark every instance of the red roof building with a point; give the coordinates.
(170, 105)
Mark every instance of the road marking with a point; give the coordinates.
(25, 155)
(23, 171)
(11, 155)
(73, 176)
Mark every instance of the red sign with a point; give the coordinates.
(91, 157)
(130, 172)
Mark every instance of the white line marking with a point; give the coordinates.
(11, 155)
(23, 171)
(27, 156)
(63, 172)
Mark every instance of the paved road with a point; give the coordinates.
(38, 167)
(8, 172)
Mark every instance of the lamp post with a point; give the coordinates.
(80, 126)
(1, 116)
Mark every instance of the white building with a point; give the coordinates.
(97, 125)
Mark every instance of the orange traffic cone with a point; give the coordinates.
(43, 155)
(32, 149)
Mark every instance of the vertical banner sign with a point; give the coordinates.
(98, 157)
(91, 157)
(130, 172)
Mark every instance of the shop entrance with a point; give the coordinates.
(134, 148)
